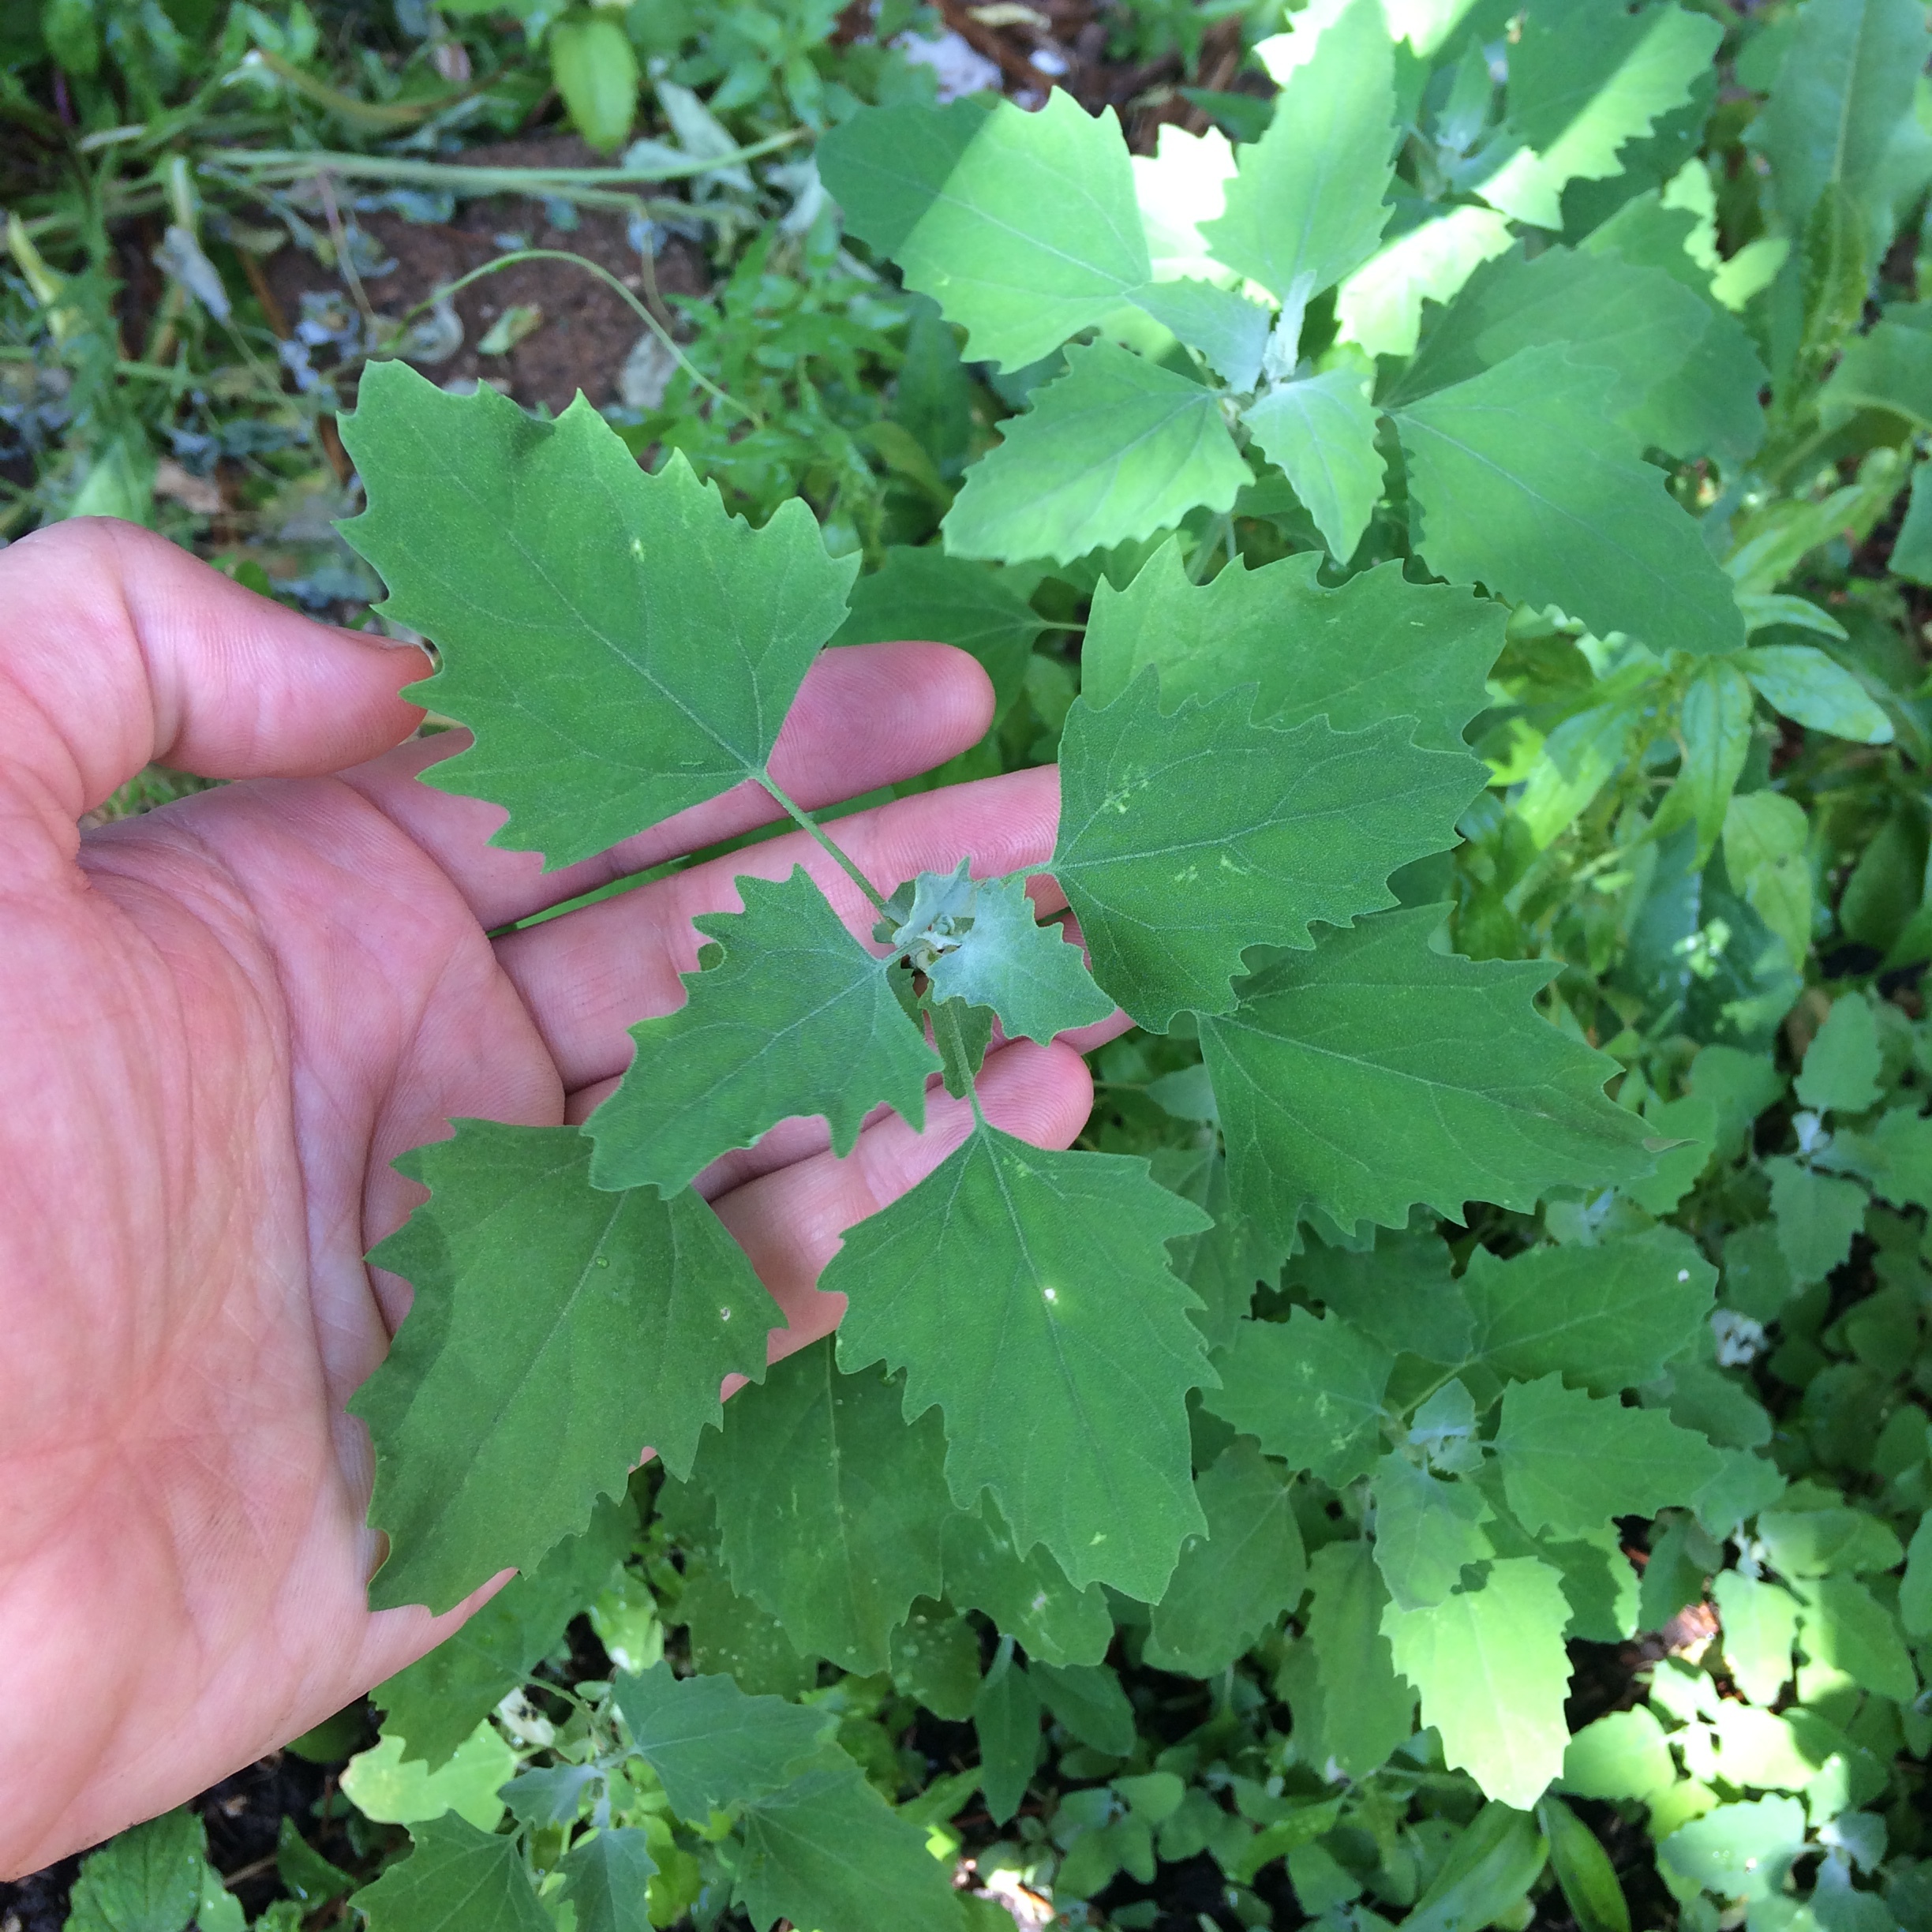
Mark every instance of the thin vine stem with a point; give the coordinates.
(564, 255)
(806, 820)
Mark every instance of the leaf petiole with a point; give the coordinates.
(805, 820)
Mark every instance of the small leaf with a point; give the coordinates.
(1765, 836)
(144, 1879)
(1186, 839)
(1023, 227)
(1309, 1389)
(1320, 432)
(1845, 1628)
(1088, 1699)
(1235, 1581)
(1006, 1720)
(829, 1505)
(1228, 329)
(1817, 1216)
(604, 1881)
(1029, 976)
(1808, 687)
(556, 1330)
(793, 1016)
(383, 1785)
(1375, 1073)
(1400, 1291)
(1026, 1594)
(711, 1746)
(1376, 647)
(1307, 205)
(1523, 482)
(1113, 451)
(455, 1879)
(1065, 1399)
(1572, 1460)
(1427, 1531)
(594, 67)
(1843, 1062)
(1367, 1710)
(1759, 1620)
(1493, 1672)
(621, 647)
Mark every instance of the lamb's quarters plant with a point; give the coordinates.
(1463, 496)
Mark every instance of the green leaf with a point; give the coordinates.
(1493, 1672)
(1901, 1150)
(1112, 451)
(1184, 840)
(1309, 1389)
(1427, 1531)
(556, 1330)
(1911, 549)
(1608, 1318)
(1065, 1399)
(962, 1034)
(1889, 369)
(1489, 1870)
(826, 1850)
(1400, 1292)
(1738, 1850)
(1805, 685)
(1572, 1460)
(1816, 1215)
(1376, 647)
(829, 1505)
(1842, 1064)
(440, 1699)
(925, 593)
(1715, 724)
(1588, 1879)
(1320, 432)
(711, 1746)
(1765, 836)
(594, 67)
(148, 1879)
(1845, 1628)
(1367, 1710)
(382, 1786)
(1087, 1700)
(1585, 79)
(605, 1878)
(1915, 1591)
(621, 647)
(1842, 93)
(1006, 1720)
(1623, 1755)
(1026, 1594)
(1307, 205)
(1026, 972)
(1023, 227)
(935, 1659)
(791, 1016)
(1224, 1263)
(455, 1879)
(1239, 1577)
(1375, 1073)
(1524, 482)
(1759, 1620)
(1380, 306)
(1228, 329)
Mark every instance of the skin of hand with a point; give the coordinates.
(219, 1024)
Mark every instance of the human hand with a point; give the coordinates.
(219, 1025)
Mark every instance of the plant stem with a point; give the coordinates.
(943, 1011)
(810, 824)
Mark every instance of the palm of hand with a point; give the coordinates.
(219, 1025)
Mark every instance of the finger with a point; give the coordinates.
(587, 977)
(790, 1222)
(121, 649)
(866, 715)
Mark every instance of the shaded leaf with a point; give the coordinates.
(1309, 1389)
(455, 1879)
(1320, 431)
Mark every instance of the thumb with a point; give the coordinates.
(118, 649)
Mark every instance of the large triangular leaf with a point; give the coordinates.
(456, 1879)
(1572, 1461)
(1584, 79)
(1234, 1580)
(711, 1746)
(1185, 839)
(1320, 431)
(793, 1016)
(1116, 449)
(1375, 1073)
(1522, 481)
(556, 1331)
(1307, 204)
(1374, 648)
(605, 1878)
(1493, 1672)
(621, 647)
(1065, 1398)
(826, 1850)
(829, 1505)
(1023, 227)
